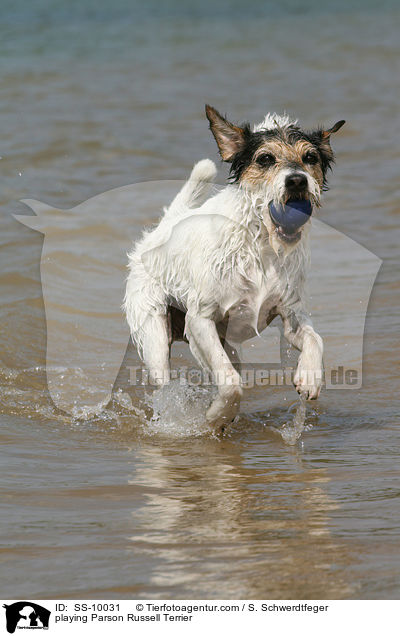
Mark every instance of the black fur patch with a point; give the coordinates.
(243, 159)
(325, 152)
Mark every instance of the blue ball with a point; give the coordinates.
(292, 215)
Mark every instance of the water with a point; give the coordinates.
(134, 503)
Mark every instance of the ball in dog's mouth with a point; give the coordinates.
(290, 217)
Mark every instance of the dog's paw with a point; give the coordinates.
(308, 383)
(224, 408)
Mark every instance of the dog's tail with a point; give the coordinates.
(196, 189)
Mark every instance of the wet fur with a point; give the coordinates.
(215, 270)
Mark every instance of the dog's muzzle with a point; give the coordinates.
(290, 217)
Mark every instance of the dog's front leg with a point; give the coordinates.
(299, 331)
(206, 347)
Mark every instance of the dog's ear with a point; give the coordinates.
(230, 138)
(327, 133)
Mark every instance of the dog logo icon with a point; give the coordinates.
(26, 615)
(83, 276)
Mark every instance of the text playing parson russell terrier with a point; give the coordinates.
(222, 267)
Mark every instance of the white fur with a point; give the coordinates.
(215, 258)
(272, 120)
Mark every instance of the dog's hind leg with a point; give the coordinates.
(147, 316)
(206, 347)
(156, 343)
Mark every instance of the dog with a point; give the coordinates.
(220, 266)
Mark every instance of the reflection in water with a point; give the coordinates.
(130, 514)
(256, 530)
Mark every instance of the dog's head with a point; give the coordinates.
(286, 166)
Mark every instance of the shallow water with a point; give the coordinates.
(126, 503)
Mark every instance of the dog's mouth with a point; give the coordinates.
(289, 218)
(285, 236)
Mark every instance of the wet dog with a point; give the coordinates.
(218, 269)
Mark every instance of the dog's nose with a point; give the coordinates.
(296, 181)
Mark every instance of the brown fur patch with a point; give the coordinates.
(286, 155)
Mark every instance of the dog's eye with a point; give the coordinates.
(265, 160)
(311, 158)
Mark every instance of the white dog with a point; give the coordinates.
(224, 267)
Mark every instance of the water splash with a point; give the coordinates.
(179, 409)
(292, 430)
